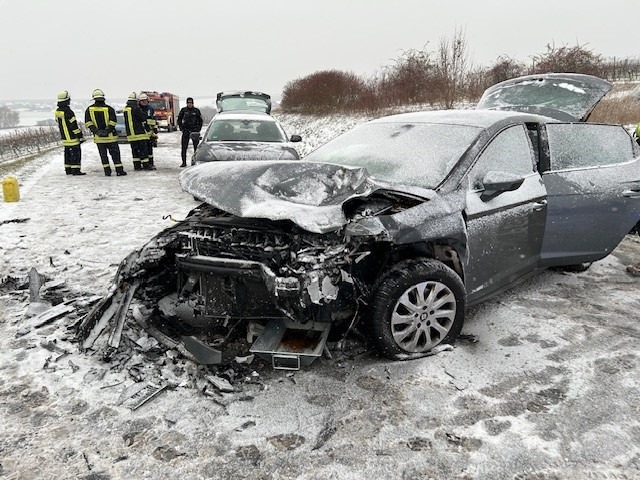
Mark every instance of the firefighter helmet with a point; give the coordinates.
(63, 96)
(97, 93)
(143, 96)
(133, 96)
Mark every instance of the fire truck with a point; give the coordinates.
(166, 107)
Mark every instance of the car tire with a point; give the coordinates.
(405, 322)
(576, 268)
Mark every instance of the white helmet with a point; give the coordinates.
(132, 96)
(63, 95)
(97, 93)
(143, 96)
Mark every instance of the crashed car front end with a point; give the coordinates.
(297, 247)
(251, 268)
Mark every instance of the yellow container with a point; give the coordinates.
(10, 189)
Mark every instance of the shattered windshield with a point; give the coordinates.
(409, 153)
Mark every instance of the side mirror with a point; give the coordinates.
(496, 183)
(295, 138)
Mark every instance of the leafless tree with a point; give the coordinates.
(451, 67)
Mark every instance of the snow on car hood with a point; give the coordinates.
(309, 194)
(564, 96)
(211, 151)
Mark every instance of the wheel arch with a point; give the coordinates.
(442, 250)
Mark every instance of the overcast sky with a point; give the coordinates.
(198, 48)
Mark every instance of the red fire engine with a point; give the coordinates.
(166, 107)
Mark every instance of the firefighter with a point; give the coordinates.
(143, 103)
(135, 122)
(100, 118)
(70, 134)
(189, 120)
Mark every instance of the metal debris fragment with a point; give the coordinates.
(121, 314)
(220, 383)
(35, 282)
(73, 366)
(52, 347)
(202, 352)
(143, 395)
(51, 314)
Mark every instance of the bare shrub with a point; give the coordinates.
(409, 80)
(324, 91)
(447, 78)
(503, 69)
(576, 59)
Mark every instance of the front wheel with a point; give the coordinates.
(417, 305)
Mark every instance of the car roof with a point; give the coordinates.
(474, 118)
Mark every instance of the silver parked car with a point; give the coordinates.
(399, 224)
(244, 135)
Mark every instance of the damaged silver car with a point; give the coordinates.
(395, 227)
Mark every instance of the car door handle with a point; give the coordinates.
(631, 193)
(537, 206)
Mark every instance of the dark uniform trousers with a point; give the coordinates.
(72, 158)
(186, 136)
(140, 154)
(114, 149)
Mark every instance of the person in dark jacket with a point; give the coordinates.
(135, 123)
(189, 120)
(100, 118)
(70, 134)
(143, 103)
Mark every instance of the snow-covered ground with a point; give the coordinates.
(544, 383)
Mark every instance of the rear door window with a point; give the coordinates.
(584, 145)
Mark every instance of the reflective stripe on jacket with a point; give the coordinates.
(135, 122)
(100, 116)
(151, 119)
(70, 132)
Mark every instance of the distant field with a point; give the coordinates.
(621, 105)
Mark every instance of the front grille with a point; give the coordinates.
(283, 248)
(267, 246)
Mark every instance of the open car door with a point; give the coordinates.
(593, 187)
(568, 97)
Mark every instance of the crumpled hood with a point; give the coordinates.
(211, 151)
(309, 194)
